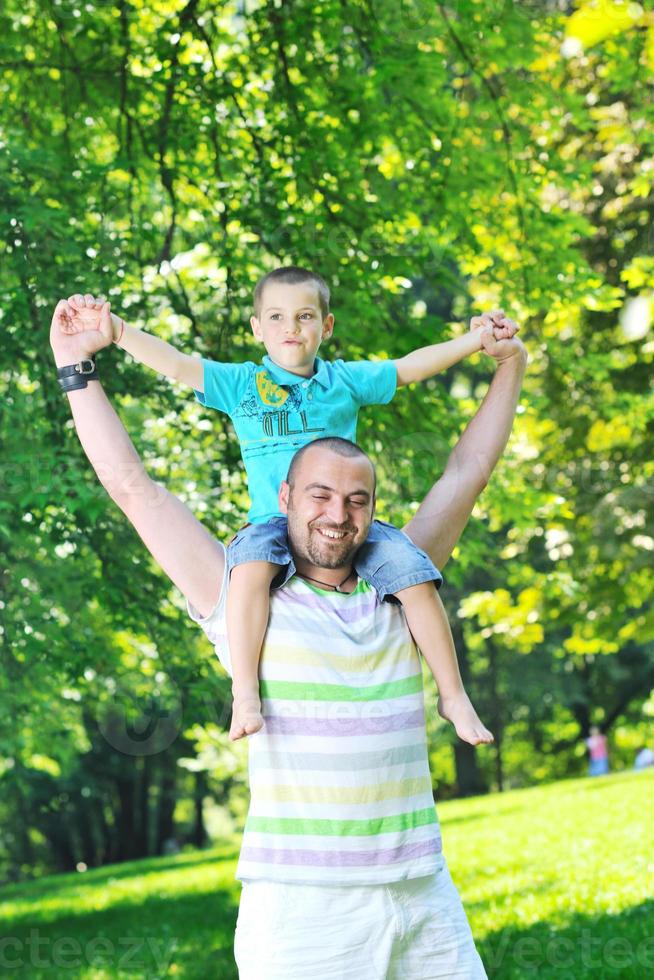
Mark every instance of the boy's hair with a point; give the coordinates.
(292, 274)
(342, 447)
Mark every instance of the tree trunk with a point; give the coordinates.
(469, 779)
(125, 813)
(144, 836)
(199, 836)
(167, 800)
(86, 821)
(497, 715)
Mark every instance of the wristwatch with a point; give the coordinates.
(74, 376)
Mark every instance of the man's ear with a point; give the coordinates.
(256, 328)
(284, 492)
(328, 326)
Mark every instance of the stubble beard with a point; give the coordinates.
(307, 544)
(324, 555)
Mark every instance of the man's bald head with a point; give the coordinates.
(342, 447)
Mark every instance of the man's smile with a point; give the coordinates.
(327, 533)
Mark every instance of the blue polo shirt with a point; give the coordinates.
(275, 412)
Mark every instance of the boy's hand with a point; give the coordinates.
(79, 331)
(502, 327)
(87, 310)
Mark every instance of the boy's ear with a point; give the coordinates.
(328, 326)
(284, 491)
(256, 329)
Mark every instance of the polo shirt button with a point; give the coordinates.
(305, 384)
(309, 396)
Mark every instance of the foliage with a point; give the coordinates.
(429, 160)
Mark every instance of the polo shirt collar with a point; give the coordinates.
(283, 377)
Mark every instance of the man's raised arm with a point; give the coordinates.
(439, 521)
(188, 554)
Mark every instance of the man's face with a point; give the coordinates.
(291, 327)
(330, 507)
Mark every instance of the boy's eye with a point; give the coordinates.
(274, 316)
(317, 496)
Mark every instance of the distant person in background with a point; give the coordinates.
(599, 752)
(644, 758)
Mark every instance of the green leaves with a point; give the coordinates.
(429, 161)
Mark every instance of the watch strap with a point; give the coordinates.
(75, 376)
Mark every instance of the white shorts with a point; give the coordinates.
(414, 929)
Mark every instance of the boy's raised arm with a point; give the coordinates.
(155, 353)
(189, 555)
(439, 521)
(428, 361)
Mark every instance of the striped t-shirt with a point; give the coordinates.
(339, 774)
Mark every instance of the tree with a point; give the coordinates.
(428, 160)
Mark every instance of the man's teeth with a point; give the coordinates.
(331, 534)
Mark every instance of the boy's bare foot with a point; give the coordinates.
(459, 710)
(246, 716)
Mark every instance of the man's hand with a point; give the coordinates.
(503, 350)
(79, 331)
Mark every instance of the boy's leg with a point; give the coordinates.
(393, 565)
(248, 607)
(428, 623)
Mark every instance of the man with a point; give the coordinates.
(341, 862)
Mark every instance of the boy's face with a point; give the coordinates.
(291, 327)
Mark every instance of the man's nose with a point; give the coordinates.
(338, 512)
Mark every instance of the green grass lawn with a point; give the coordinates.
(557, 881)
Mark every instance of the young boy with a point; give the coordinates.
(291, 399)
